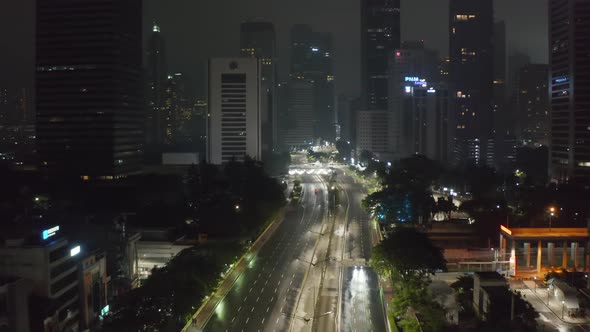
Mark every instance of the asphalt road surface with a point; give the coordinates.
(264, 297)
(346, 292)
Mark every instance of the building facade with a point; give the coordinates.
(311, 60)
(380, 35)
(156, 76)
(48, 262)
(299, 119)
(257, 39)
(411, 68)
(471, 26)
(533, 104)
(373, 134)
(569, 88)
(234, 126)
(424, 123)
(90, 111)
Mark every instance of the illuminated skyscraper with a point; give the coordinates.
(257, 39)
(90, 110)
(569, 88)
(471, 26)
(380, 35)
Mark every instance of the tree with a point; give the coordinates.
(406, 196)
(365, 156)
(408, 256)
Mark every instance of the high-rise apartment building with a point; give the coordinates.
(569, 88)
(234, 125)
(471, 26)
(380, 35)
(90, 111)
(257, 39)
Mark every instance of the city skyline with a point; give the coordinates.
(188, 52)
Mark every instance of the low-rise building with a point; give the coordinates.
(488, 287)
(14, 304)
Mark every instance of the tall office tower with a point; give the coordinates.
(157, 81)
(444, 67)
(499, 94)
(257, 39)
(234, 129)
(298, 129)
(311, 60)
(90, 116)
(471, 51)
(380, 35)
(23, 115)
(533, 105)
(515, 62)
(373, 134)
(199, 124)
(569, 88)
(409, 66)
(425, 126)
(176, 111)
(503, 119)
(345, 107)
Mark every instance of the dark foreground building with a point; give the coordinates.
(569, 88)
(90, 115)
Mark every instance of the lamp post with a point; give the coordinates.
(547, 296)
(551, 214)
(562, 308)
(535, 281)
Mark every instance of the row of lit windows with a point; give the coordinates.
(464, 17)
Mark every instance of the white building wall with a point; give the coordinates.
(234, 124)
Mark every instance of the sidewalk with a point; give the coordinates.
(555, 306)
(204, 313)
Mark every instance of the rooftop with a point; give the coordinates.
(544, 232)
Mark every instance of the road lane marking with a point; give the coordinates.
(258, 298)
(232, 320)
(252, 309)
(240, 308)
(247, 319)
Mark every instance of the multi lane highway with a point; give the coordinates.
(264, 297)
(308, 276)
(349, 289)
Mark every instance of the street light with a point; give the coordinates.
(551, 214)
(535, 277)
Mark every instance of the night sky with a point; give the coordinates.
(196, 30)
